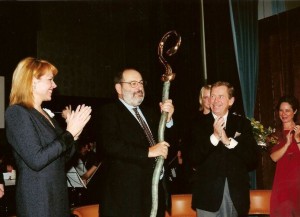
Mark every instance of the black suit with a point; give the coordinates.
(128, 170)
(216, 163)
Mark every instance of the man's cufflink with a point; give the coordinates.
(228, 143)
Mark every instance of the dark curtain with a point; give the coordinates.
(221, 63)
(243, 16)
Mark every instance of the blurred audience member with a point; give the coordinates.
(7, 163)
(86, 162)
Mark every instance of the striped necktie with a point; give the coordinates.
(145, 127)
(149, 135)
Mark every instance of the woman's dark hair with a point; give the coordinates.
(292, 100)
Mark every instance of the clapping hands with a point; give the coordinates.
(66, 111)
(76, 120)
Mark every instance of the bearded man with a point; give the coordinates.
(130, 151)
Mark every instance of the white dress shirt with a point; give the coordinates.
(215, 141)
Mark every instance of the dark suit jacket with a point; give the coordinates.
(216, 163)
(128, 173)
(40, 151)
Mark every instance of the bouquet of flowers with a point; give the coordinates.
(264, 136)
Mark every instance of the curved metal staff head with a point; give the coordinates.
(169, 75)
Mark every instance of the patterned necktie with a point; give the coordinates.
(148, 135)
(145, 127)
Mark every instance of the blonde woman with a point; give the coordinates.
(40, 146)
(204, 99)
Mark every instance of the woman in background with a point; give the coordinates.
(41, 148)
(204, 99)
(188, 169)
(285, 198)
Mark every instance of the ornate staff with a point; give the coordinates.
(166, 78)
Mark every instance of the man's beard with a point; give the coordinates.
(133, 99)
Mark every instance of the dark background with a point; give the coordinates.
(90, 41)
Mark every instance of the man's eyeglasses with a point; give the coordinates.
(134, 84)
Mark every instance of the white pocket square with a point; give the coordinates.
(236, 134)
